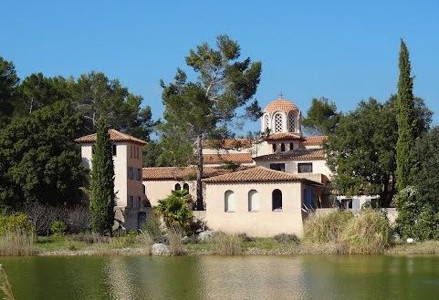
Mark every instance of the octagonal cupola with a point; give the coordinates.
(281, 116)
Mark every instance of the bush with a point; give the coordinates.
(370, 233)
(226, 244)
(15, 222)
(79, 219)
(175, 209)
(58, 228)
(327, 228)
(153, 227)
(42, 216)
(284, 238)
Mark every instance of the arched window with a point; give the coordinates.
(177, 187)
(253, 201)
(291, 123)
(186, 187)
(282, 147)
(291, 146)
(276, 200)
(266, 122)
(229, 201)
(274, 147)
(278, 123)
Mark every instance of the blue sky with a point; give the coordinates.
(341, 50)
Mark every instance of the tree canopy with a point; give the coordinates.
(206, 107)
(39, 160)
(322, 116)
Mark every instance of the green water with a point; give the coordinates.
(256, 277)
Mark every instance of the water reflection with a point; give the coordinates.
(210, 277)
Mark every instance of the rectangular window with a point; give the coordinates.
(131, 151)
(130, 201)
(114, 150)
(130, 173)
(139, 202)
(278, 167)
(139, 174)
(304, 167)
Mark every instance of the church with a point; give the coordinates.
(279, 178)
(260, 187)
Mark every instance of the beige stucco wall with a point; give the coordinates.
(263, 223)
(123, 187)
(160, 189)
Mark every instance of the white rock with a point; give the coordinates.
(205, 235)
(410, 241)
(160, 249)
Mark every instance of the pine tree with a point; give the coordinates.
(102, 181)
(406, 117)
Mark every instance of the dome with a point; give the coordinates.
(280, 104)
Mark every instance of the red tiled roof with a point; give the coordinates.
(229, 157)
(257, 174)
(281, 104)
(176, 173)
(115, 136)
(297, 155)
(228, 143)
(281, 136)
(315, 140)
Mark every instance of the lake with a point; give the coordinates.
(215, 277)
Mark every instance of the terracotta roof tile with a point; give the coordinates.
(115, 136)
(281, 104)
(229, 157)
(176, 173)
(257, 174)
(281, 136)
(297, 154)
(228, 143)
(315, 140)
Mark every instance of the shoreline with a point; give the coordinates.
(429, 248)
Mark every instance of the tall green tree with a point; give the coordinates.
(207, 107)
(322, 116)
(96, 95)
(407, 121)
(362, 149)
(37, 91)
(102, 181)
(8, 84)
(39, 160)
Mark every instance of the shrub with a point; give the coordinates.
(284, 238)
(79, 219)
(145, 240)
(326, 228)
(15, 222)
(58, 228)
(226, 244)
(42, 216)
(16, 243)
(368, 234)
(153, 227)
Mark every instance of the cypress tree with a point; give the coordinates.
(102, 181)
(406, 117)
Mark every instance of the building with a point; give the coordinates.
(281, 176)
(130, 199)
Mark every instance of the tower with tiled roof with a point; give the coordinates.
(130, 197)
(281, 116)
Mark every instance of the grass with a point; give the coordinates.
(226, 244)
(326, 228)
(5, 286)
(16, 243)
(421, 248)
